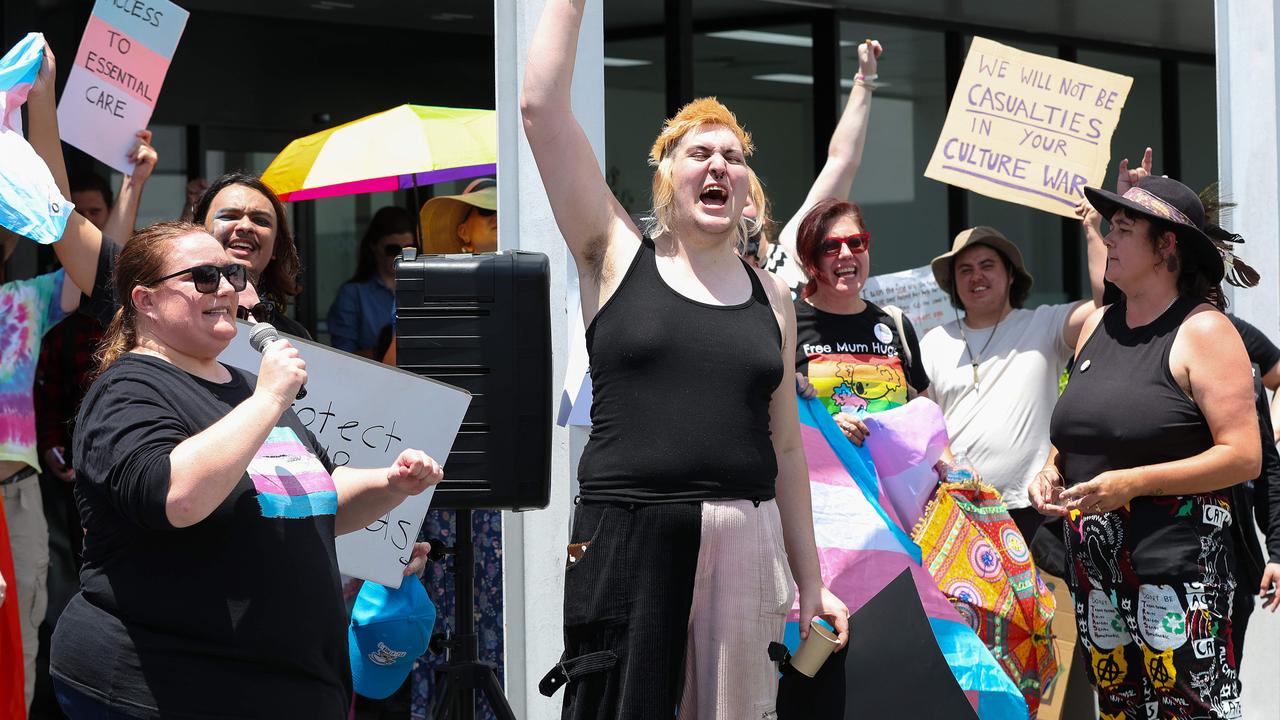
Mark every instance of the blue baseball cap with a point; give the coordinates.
(390, 629)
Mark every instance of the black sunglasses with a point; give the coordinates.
(207, 277)
(392, 250)
(264, 311)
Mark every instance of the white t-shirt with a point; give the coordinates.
(1002, 424)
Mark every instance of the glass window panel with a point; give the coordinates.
(634, 105)
(765, 76)
(1198, 111)
(904, 210)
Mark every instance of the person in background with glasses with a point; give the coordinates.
(210, 511)
(858, 357)
(365, 303)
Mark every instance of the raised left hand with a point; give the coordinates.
(143, 157)
(413, 472)
(821, 602)
(1106, 492)
(869, 57)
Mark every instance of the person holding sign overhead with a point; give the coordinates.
(210, 584)
(695, 451)
(237, 208)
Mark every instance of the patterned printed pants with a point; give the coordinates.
(1153, 589)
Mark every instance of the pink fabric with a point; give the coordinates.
(741, 593)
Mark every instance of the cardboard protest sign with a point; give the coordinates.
(1029, 129)
(916, 293)
(112, 89)
(364, 413)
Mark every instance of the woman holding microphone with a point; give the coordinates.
(210, 585)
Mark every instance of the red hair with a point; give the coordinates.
(813, 230)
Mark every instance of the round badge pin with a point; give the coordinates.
(883, 333)
(1084, 366)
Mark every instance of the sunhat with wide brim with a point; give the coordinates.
(981, 235)
(441, 216)
(1177, 206)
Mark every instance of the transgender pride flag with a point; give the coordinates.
(863, 499)
(290, 481)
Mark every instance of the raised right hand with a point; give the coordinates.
(48, 74)
(281, 373)
(1127, 178)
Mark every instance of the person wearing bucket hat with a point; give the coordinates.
(1156, 424)
(467, 222)
(995, 371)
(695, 450)
(390, 629)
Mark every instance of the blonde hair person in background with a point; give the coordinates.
(695, 433)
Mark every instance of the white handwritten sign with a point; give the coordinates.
(364, 413)
(1029, 129)
(916, 293)
(116, 78)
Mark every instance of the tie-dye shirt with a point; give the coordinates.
(27, 309)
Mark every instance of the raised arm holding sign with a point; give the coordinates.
(1029, 129)
(116, 78)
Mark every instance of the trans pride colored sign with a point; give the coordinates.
(1029, 129)
(112, 89)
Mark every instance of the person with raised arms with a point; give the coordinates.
(694, 512)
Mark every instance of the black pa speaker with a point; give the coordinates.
(482, 323)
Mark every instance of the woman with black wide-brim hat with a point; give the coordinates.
(1156, 423)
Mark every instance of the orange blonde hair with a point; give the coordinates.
(700, 112)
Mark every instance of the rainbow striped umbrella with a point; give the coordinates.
(401, 148)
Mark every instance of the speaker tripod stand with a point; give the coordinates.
(464, 674)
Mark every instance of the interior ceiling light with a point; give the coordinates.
(797, 79)
(770, 38)
(624, 62)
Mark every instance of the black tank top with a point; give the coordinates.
(1122, 408)
(681, 391)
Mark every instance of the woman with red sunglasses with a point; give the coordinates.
(854, 354)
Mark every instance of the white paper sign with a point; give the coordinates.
(364, 413)
(916, 293)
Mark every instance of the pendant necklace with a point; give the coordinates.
(974, 360)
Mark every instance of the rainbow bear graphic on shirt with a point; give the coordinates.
(857, 382)
(291, 481)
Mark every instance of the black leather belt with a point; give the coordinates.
(22, 474)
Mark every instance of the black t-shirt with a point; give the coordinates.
(241, 614)
(857, 360)
(101, 305)
(1265, 498)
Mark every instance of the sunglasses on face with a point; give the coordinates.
(207, 277)
(858, 243)
(392, 250)
(264, 311)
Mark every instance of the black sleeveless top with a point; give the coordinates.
(681, 391)
(1122, 407)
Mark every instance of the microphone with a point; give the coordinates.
(263, 333)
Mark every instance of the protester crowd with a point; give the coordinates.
(149, 524)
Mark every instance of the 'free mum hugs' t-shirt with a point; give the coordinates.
(856, 362)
